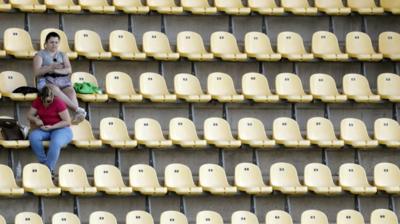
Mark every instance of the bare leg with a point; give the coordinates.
(71, 103)
(70, 92)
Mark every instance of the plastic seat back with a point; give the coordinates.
(161, 3)
(349, 216)
(386, 129)
(107, 176)
(220, 84)
(127, 3)
(359, 43)
(156, 42)
(88, 41)
(388, 84)
(36, 175)
(7, 178)
(72, 175)
(322, 84)
(278, 217)
(329, 3)
(212, 175)
(28, 218)
(223, 42)
(205, 216)
(182, 129)
(139, 217)
(324, 42)
(295, 3)
(285, 128)
(152, 84)
(178, 175)
(82, 131)
(17, 40)
(383, 216)
(262, 3)
(102, 217)
(318, 175)
(255, 84)
(189, 42)
(283, 175)
(217, 129)
(79, 77)
(173, 217)
(229, 4)
(122, 41)
(248, 175)
(142, 175)
(386, 175)
(63, 44)
(389, 42)
(195, 3)
(356, 84)
(251, 129)
(244, 217)
(352, 175)
(257, 43)
(313, 216)
(113, 129)
(390, 4)
(147, 129)
(287, 84)
(119, 83)
(352, 129)
(65, 217)
(11, 80)
(320, 129)
(290, 43)
(361, 3)
(187, 84)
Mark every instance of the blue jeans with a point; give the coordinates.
(57, 137)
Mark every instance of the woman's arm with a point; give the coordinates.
(38, 69)
(65, 121)
(67, 66)
(33, 118)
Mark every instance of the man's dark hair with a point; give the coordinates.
(52, 34)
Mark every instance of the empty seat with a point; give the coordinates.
(2, 52)
(320, 131)
(63, 6)
(81, 77)
(164, 6)
(102, 217)
(265, 7)
(389, 45)
(65, 217)
(299, 7)
(387, 178)
(323, 87)
(28, 218)
(73, 179)
(207, 216)
(156, 45)
(290, 46)
(325, 45)
(392, 6)
(387, 132)
(212, 178)
(187, 87)
(257, 45)
(388, 87)
(288, 86)
(131, 7)
(18, 43)
(199, 7)
(278, 217)
(183, 133)
(332, 7)
(173, 217)
(383, 216)
(108, 178)
(233, 7)
(83, 136)
(88, 44)
(359, 46)
(284, 179)
(154, 87)
(248, 178)
(318, 178)
(255, 87)
(314, 216)
(12, 144)
(244, 217)
(148, 132)
(224, 46)
(251, 131)
(286, 131)
(190, 45)
(97, 6)
(352, 177)
(5, 7)
(143, 178)
(365, 7)
(10, 81)
(36, 178)
(356, 87)
(28, 5)
(119, 86)
(114, 132)
(354, 132)
(349, 216)
(217, 132)
(123, 45)
(139, 217)
(62, 45)
(179, 179)
(8, 186)
(220, 86)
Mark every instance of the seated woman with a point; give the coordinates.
(50, 121)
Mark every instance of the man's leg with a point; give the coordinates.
(58, 138)
(35, 138)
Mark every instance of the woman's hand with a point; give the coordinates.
(46, 127)
(39, 122)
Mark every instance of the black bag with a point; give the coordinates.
(10, 129)
(25, 90)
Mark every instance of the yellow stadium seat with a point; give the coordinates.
(354, 132)
(257, 45)
(278, 217)
(387, 178)
(299, 7)
(123, 45)
(139, 217)
(131, 7)
(206, 216)
(359, 46)
(179, 179)
(212, 178)
(352, 177)
(349, 216)
(88, 44)
(332, 7)
(244, 217)
(251, 131)
(388, 87)
(4, 7)
(114, 132)
(12, 144)
(165, 6)
(255, 87)
(220, 86)
(183, 133)
(63, 44)
(156, 45)
(83, 136)
(2, 53)
(80, 77)
(365, 7)
(198, 7)
(389, 45)
(318, 178)
(102, 217)
(28, 5)
(265, 7)
(36, 178)
(392, 6)
(173, 217)
(18, 43)
(97, 6)
(325, 45)
(65, 217)
(387, 132)
(108, 178)
(314, 216)
(63, 6)
(190, 45)
(218, 132)
(232, 7)
(8, 186)
(187, 87)
(286, 131)
(148, 132)
(356, 87)
(320, 131)
(119, 86)
(2, 220)
(143, 178)
(11, 80)
(283, 178)
(288, 86)
(28, 218)
(383, 216)
(224, 46)
(154, 88)
(323, 87)
(248, 178)
(73, 179)
(290, 46)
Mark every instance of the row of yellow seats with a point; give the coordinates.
(202, 7)
(325, 45)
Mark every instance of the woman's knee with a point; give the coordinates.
(35, 136)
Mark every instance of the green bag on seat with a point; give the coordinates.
(86, 88)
